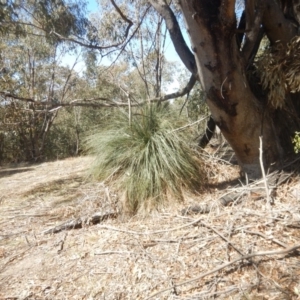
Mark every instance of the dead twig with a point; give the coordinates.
(223, 237)
(113, 252)
(269, 199)
(266, 237)
(149, 232)
(244, 257)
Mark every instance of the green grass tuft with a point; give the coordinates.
(147, 157)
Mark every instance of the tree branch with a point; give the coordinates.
(179, 93)
(277, 27)
(209, 132)
(9, 95)
(180, 45)
(250, 13)
(254, 31)
(130, 23)
(85, 43)
(91, 102)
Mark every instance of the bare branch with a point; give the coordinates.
(66, 88)
(179, 93)
(122, 15)
(180, 45)
(9, 95)
(209, 132)
(86, 44)
(82, 42)
(110, 103)
(130, 38)
(85, 103)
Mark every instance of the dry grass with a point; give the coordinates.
(134, 258)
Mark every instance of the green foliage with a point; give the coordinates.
(55, 18)
(63, 17)
(147, 157)
(296, 142)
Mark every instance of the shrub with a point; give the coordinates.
(146, 156)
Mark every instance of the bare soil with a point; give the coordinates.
(164, 255)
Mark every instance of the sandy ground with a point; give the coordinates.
(165, 255)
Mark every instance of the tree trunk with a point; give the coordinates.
(240, 115)
(223, 54)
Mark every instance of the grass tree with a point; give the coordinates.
(147, 156)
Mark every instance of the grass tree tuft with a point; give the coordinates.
(147, 157)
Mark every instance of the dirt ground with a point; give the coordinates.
(241, 251)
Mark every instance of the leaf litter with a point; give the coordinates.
(159, 256)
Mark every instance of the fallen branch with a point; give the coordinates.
(99, 217)
(78, 223)
(113, 252)
(244, 257)
(149, 232)
(274, 179)
(207, 208)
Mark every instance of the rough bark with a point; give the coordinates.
(241, 118)
(224, 52)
